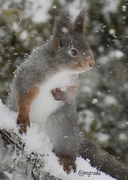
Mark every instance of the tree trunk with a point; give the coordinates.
(103, 161)
(20, 165)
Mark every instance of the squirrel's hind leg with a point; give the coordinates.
(68, 163)
(23, 104)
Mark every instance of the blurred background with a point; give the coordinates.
(103, 96)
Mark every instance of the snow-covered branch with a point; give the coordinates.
(30, 156)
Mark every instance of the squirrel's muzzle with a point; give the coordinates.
(86, 63)
(90, 59)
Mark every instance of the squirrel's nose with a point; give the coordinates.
(91, 64)
(90, 59)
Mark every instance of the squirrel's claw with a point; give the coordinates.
(23, 123)
(68, 163)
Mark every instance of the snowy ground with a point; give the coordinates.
(38, 142)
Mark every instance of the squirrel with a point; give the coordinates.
(45, 85)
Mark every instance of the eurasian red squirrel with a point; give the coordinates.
(45, 85)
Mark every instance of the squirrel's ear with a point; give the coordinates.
(79, 24)
(61, 27)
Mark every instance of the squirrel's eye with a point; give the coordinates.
(73, 52)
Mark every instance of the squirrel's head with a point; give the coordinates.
(69, 43)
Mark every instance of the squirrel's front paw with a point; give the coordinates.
(68, 163)
(57, 94)
(64, 94)
(23, 123)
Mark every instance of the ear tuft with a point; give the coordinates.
(61, 27)
(79, 25)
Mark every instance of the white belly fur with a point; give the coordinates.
(44, 104)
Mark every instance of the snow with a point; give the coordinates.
(38, 141)
(122, 136)
(116, 54)
(38, 10)
(76, 6)
(112, 31)
(94, 101)
(87, 117)
(24, 35)
(102, 137)
(110, 100)
(111, 6)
